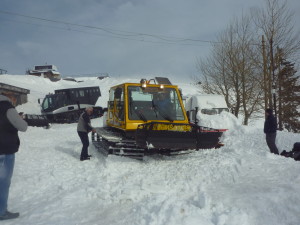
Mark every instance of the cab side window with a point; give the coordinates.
(119, 102)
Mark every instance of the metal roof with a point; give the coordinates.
(9, 87)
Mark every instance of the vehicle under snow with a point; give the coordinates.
(209, 110)
(206, 104)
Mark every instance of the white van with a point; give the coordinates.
(209, 104)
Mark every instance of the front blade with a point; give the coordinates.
(161, 135)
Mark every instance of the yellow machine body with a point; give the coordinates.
(132, 104)
(149, 118)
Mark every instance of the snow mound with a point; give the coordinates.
(224, 120)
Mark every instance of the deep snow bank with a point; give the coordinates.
(238, 184)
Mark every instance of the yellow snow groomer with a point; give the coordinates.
(149, 118)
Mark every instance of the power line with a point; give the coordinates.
(140, 39)
(62, 28)
(118, 33)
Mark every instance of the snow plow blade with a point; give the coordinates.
(176, 136)
(36, 120)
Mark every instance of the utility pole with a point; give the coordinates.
(269, 86)
(273, 76)
(266, 92)
(279, 60)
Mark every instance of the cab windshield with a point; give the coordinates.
(154, 103)
(52, 102)
(47, 103)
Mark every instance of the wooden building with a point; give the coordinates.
(17, 95)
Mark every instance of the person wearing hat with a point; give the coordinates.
(10, 123)
(83, 128)
(270, 129)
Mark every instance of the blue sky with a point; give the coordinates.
(120, 37)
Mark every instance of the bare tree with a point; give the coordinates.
(241, 68)
(232, 70)
(275, 22)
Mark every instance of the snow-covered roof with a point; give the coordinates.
(55, 72)
(44, 69)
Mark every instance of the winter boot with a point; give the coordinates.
(8, 215)
(84, 158)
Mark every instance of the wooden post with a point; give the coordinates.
(279, 59)
(272, 79)
(265, 72)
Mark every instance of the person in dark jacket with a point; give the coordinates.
(83, 128)
(10, 123)
(270, 129)
(163, 104)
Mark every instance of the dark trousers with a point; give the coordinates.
(85, 143)
(270, 138)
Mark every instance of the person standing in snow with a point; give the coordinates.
(270, 129)
(83, 128)
(10, 123)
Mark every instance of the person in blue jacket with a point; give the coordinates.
(270, 129)
(10, 123)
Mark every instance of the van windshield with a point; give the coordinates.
(213, 111)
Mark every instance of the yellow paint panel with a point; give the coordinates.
(172, 127)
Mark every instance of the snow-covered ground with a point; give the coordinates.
(238, 184)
